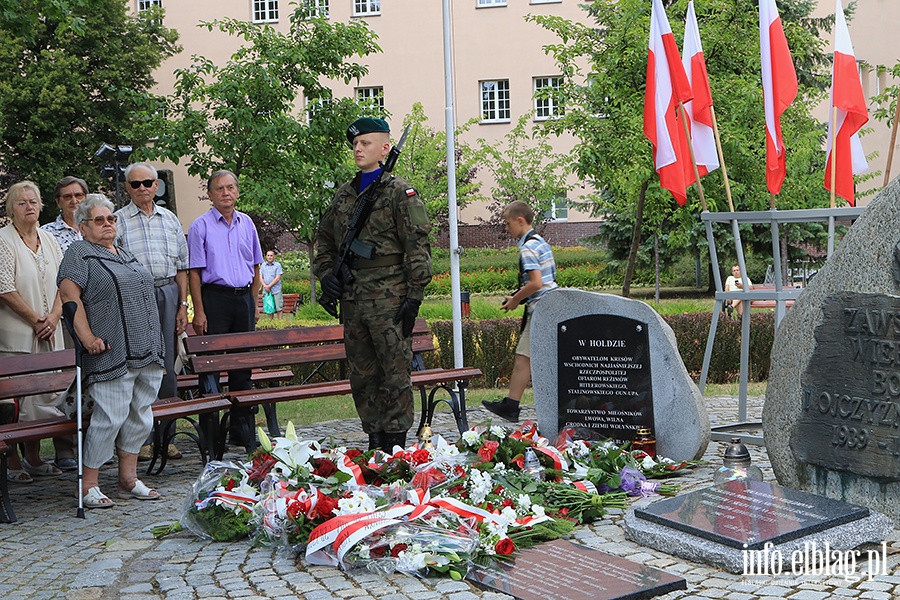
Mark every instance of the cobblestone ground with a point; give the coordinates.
(49, 553)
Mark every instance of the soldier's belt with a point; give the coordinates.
(379, 261)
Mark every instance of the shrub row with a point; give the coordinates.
(490, 344)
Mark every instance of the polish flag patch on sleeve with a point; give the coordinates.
(410, 193)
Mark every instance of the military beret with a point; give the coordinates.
(366, 125)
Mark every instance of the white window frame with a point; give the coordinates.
(489, 3)
(545, 2)
(366, 8)
(311, 105)
(143, 5)
(495, 99)
(373, 93)
(549, 105)
(264, 11)
(559, 210)
(320, 8)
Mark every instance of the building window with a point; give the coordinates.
(314, 106)
(559, 211)
(547, 98)
(265, 11)
(495, 101)
(146, 4)
(317, 8)
(373, 96)
(482, 3)
(366, 8)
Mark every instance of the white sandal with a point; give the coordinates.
(96, 499)
(138, 492)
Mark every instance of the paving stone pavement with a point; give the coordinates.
(49, 553)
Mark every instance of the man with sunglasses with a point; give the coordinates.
(70, 191)
(153, 234)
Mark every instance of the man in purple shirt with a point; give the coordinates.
(225, 256)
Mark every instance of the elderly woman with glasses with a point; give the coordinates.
(30, 310)
(118, 325)
(70, 191)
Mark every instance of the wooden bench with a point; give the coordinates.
(770, 303)
(291, 302)
(316, 346)
(53, 372)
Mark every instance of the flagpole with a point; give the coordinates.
(715, 124)
(833, 153)
(687, 134)
(890, 156)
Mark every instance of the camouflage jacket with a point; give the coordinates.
(397, 226)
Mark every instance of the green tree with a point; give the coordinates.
(605, 101)
(424, 165)
(244, 116)
(25, 17)
(524, 168)
(64, 91)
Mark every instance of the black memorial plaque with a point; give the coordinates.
(563, 570)
(605, 388)
(748, 514)
(849, 410)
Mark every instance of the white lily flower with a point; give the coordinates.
(498, 431)
(648, 463)
(290, 432)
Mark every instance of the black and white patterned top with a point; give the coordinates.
(118, 298)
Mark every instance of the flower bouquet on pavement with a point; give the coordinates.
(219, 506)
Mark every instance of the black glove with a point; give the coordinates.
(332, 286)
(408, 312)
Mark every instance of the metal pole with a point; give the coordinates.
(455, 250)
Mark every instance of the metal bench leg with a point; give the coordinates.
(272, 420)
(459, 408)
(427, 409)
(7, 515)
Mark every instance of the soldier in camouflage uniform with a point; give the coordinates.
(380, 305)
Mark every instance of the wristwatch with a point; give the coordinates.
(184, 304)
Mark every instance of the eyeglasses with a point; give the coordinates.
(99, 220)
(146, 183)
(75, 196)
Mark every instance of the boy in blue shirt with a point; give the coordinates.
(537, 276)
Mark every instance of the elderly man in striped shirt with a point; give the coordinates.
(155, 236)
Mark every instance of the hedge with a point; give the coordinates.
(490, 344)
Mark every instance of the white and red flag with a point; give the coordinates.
(667, 85)
(779, 81)
(848, 98)
(699, 109)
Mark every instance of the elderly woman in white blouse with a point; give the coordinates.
(30, 310)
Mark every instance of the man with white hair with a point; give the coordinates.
(155, 236)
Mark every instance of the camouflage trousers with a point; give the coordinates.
(380, 361)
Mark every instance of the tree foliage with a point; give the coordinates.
(65, 90)
(604, 64)
(248, 116)
(524, 167)
(424, 165)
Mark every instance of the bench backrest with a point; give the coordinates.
(280, 347)
(41, 373)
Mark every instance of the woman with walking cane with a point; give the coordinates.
(117, 323)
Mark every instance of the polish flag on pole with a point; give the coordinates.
(779, 88)
(698, 110)
(667, 85)
(843, 124)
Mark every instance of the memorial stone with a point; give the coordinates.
(831, 419)
(731, 525)
(607, 365)
(563, 570)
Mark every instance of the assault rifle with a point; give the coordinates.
(351, 246)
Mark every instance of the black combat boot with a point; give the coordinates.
(376, 440)
(394, 439)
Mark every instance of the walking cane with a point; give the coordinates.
(68, 314)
